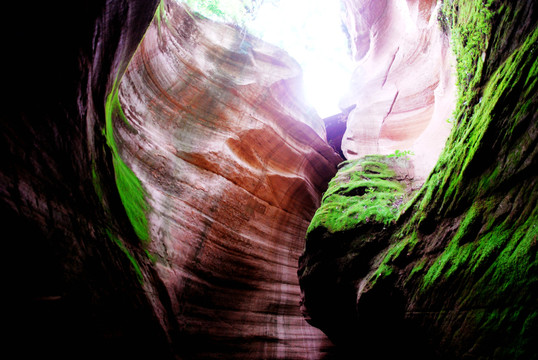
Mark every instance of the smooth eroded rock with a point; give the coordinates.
(233, 164)
(403, 86)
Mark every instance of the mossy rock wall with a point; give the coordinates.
(368, 189)
(460, 268)
(353, 225)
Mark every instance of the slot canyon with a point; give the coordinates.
(169, 192)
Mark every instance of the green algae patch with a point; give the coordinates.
(96, 180)
(130, 188)
(366, 190)
(132, 260)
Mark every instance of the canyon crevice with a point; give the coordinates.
(161, 172)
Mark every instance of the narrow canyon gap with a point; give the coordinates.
(161, 170)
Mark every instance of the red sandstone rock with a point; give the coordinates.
(403, 86)
(234, 163)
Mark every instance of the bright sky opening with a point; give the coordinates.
(311, 32)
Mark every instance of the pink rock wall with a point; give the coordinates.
(403, 85)
(234, 163)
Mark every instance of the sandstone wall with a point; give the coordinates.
(233, 164)
(403, 86)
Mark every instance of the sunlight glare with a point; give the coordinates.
(311, 32)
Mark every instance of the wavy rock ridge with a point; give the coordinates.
(161, 213)
(233, 164)
(402, 90)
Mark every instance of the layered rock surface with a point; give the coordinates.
(232, 162)
(403, 86)
(97, 263)
(159, 214)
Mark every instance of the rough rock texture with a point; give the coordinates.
(232, 164)
(352, 226)
(456, 275)
(403, 86)
(159, 214)
(370, 189)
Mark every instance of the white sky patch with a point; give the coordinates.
(311, 32)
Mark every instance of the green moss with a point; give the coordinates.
(234, 11)
(400, 153)
(508, 75)
(417, 270)
(383, 271)
(160, 15)
(130, 189)
(470, 225)
(152, 257)
(470, 39)
(515, 263)
(386, 269)
(126, 251)
(497, 261)
(96, 182)
(363, 191)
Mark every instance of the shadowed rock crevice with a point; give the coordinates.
(160, 172)
(73, 288)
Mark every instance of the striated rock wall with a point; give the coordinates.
(166, 220)
(403, 86)
(455, 276)
(232, 164)
(158, 214)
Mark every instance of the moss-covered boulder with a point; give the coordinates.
(353, 224)
(367, 189)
